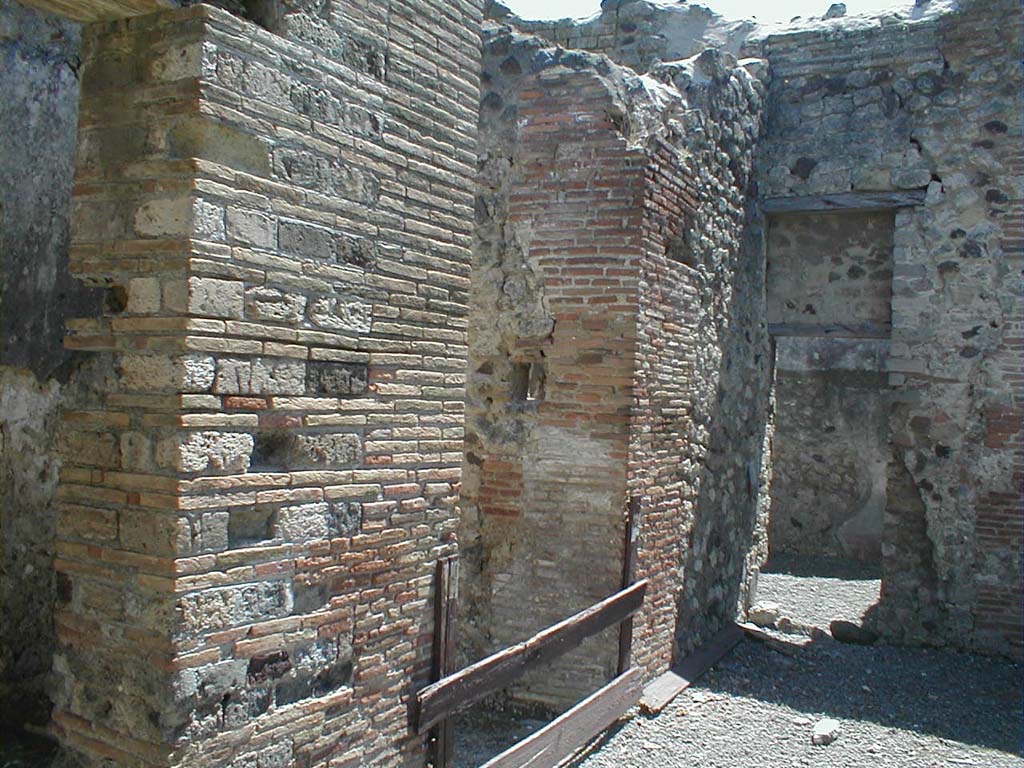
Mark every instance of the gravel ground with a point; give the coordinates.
(481, 734)
(814, 591)
(897, 707)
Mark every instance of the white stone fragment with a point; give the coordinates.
(764, 614)
(825, 731)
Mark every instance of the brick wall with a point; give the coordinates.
(549, 493)
(619, 254)
(251, 520)
(698, 465)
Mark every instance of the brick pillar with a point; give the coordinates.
(248, 532)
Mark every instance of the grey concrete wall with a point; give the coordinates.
(830, 449)
(38, 120)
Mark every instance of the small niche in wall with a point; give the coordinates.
(527, 382)
(247, 526)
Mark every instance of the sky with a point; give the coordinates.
(765, 12)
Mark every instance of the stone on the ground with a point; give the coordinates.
(764, 614)
(825, 732)
(849, 632)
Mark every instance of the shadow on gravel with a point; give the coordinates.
(955, 696)
(20, 750)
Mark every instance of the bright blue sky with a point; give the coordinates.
(765, 12)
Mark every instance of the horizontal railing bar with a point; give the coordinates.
(451, 694)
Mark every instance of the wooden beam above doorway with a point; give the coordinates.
(99, 10)
(844, 201)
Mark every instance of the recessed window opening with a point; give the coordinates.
(527, 382)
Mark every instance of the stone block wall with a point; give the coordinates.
(248, 532)
(930, 104)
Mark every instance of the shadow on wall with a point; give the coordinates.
(728, 538)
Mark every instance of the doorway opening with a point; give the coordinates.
(829, 293)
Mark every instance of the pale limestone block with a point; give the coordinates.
(156, 373)
(342, 314)
(303, 522)
(164, 218)
(136, 452)
(206, 297)
(208, 221)
(260, 376)
(177, 62)
(143, 296)
(272, 305)
(206, 451)
(251, 228)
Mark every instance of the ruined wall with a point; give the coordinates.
(637, 34)
(830, 450)
(604, 254)
(931, 104)
(39, 112)
(544, 488)
(829, 289)
(701, 422)
(246, 568)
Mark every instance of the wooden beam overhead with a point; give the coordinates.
(99, 10)
(832, 330)
(845, 201)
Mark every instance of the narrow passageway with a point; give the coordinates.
(806, 592)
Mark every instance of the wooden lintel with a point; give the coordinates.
(660, 691)
(832, 330)
(99, 10)
(562, 737)
(844, 201)
(456, 692)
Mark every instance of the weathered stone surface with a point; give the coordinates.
(253, 202)
(231, 606)
(630, 340)
(261, 465)
(260, 376)
(151, 373)
(341, 314)
(848, 632)
(206, 297)
(913, 115)
(274, 305)
(214, 452)
(39, 111)
(336, 379)
(308, 451)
